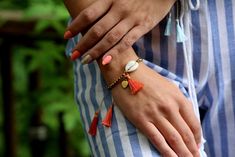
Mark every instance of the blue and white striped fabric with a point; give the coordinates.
(203, 67)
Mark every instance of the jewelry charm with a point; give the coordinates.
(124, 84)
(131, 66)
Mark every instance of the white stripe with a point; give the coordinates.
(214, 107)
(233, 4)
(91, 107)
(204, 64)
(83, 113)
(172, 50)
(225, 59)
(144, 145)
(123, 132)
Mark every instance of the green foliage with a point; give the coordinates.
(53, 16)
(55, 92)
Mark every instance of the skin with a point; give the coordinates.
(120, 24)
(164, 115)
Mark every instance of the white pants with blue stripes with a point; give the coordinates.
(209, 52)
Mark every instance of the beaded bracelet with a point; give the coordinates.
(134, 85)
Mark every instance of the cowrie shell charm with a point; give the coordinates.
(131, 66)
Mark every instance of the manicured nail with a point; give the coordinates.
(75, 55)
(67, 35)
(198, 146)
(86, 59)
(106, 59)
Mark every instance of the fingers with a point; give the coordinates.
(98, 31)
(173, 138)
(157, 140)
(182, 127)
(189, 116)
(130, 38)
(110, 39)
(87, 17)
(117, 35)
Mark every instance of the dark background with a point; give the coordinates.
(38, 115)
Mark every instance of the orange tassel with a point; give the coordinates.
(135, 86)
(94, 123)
(107, 121)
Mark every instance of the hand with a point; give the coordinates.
(162, 113)
(116, 24)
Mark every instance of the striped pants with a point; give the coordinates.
(203, 67)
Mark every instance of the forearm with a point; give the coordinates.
(115, 68)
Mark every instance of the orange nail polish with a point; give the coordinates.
(75, 55)
(106, 59)
(67, 35)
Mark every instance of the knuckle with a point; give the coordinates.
(155, 139)
(113, 37)
(165, 108)
(94, 54)
(187, 138)
(166, 153)
(173, 139)
(196, 129)
(97, 32)
(123, 7)
(127, 42)
(186, 154)
(134, 37)
(195, 153)
(149, 22)
(114, 51)
(88, 15)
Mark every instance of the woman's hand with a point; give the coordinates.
(162, 113)
(116, 24)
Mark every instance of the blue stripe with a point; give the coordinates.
(115, 135)
(148, 47)
(134, 141)
(84, 103)
(219, 79)
(207, 131)
(179, 60)
(96, 106)
(163, 46)
(231, 44)
(154, 151)
(196, 34)
(76, 98)
(136, 49)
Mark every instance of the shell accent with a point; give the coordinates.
(131, 66)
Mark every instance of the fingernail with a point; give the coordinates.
(67, 35)
(86, 59)
(75, 55)
(106, 59)
(198, 146)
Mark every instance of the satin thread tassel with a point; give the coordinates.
(168, 26)
(107, 121)
(179, 33)
(135, 86)
(93, 127)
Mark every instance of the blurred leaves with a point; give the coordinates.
(55, 92)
